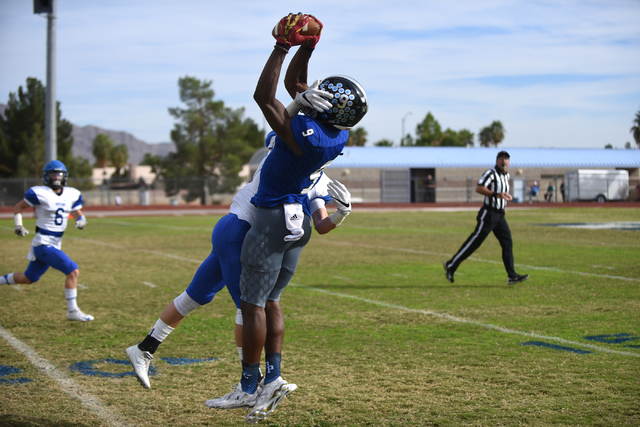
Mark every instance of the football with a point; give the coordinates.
(311, 28)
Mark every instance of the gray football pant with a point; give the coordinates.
(268, 262)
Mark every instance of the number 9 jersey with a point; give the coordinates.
(52, 212)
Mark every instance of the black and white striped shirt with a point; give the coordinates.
(498, 182)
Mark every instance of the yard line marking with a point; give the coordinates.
(533, 267)
(81, 286)
(93, 404)
(342, 278)
(400, 275)
(17, 287)
(149, 284)
(471, 322)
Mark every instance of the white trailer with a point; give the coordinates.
(598, 185)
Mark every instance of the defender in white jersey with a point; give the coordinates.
(222, 267)
(494, 186)
(53, 202)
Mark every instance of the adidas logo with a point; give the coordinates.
(294, 218)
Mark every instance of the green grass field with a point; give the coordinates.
(375, 333)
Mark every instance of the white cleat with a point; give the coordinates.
(270, 397)
(79, 316)
(236, 399)
(140, 360)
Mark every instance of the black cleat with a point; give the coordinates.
(448, 273)
(518, 279)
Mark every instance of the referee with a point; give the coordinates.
(494, 186)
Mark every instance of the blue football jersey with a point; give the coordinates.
(287, 178)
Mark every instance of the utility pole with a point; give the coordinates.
(50, 110)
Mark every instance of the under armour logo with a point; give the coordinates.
(294, 218)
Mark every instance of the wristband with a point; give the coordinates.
(495, 194)
(282, 47)
(337, 217)
(81, 218)
(17, 219)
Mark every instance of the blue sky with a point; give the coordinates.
(557, 73)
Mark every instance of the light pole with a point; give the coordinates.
(403, 119)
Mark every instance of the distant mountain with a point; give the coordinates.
(83, 140)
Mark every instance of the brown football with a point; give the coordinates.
(311, 28)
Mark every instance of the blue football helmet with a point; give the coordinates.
(51, 174)
(349, 102)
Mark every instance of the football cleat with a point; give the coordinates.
(140, 360)
(79, 316)
(236, 399)
(518, 279)
(270, 397)
(447, 272)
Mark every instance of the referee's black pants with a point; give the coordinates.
(488, 221)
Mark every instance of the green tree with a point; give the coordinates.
(384, 143)
(212, 141)
(22, 144)
(635, 129)
(492, 134)
(102, 148)
(357, 137)
(119, 158)
(157, 163)
(428, 132)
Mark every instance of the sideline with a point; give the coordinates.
(92, 403)
(471, 322)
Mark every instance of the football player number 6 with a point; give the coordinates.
(58, 219)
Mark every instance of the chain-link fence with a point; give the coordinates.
(184, 191)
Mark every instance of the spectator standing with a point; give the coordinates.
(430, 189)
(534, 190)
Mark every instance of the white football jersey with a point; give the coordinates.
(242, 207)
(52, 212)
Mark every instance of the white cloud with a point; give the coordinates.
(565, 73)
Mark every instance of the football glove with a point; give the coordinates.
(342, 198)
(20, 230)
(288, 32)
(314, 97)
(313, 40)
(81, 222)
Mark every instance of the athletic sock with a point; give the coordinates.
(273, 367)
(71, 295)
(250, 377)
(7, 279)
(240, 353)
(158, 333)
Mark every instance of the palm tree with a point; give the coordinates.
(485, 136)
(635, 129)
(497, 132)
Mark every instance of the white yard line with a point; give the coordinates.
(149, 284)
(90, 402)
(472, 322)
(532, 267)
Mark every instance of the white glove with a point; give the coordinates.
(81, 222)
(342, 198)
(314, 97)
(20, 230)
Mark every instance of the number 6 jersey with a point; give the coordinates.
(52, 211)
